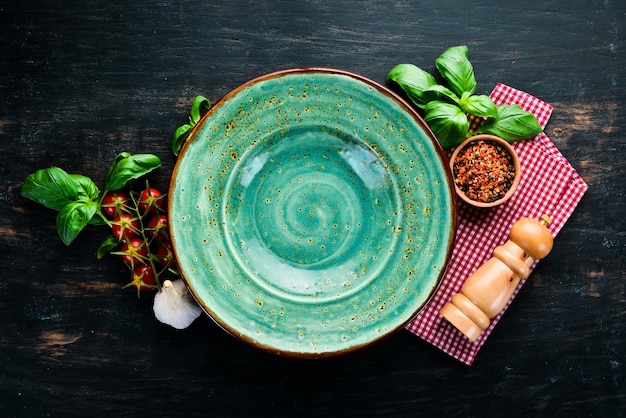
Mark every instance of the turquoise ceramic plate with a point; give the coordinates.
(311, 212)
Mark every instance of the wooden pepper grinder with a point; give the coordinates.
(488, 289)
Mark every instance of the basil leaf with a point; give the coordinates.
(51, 187)
(128, 167)
(199, 106)
(107, 246)
(441, 93)
(119, 157)
(72, 218)
(179, 137)
(455, 67)
(512, 124)
(413, 81)
(87, 189)
(478, 105)
(448, 123)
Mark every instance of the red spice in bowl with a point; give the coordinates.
(486, 170)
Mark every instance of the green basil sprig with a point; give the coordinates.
(199, 106)
(446, 108)
(76, 197)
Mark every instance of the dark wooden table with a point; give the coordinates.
(81, 81)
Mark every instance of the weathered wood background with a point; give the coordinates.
(81, 81)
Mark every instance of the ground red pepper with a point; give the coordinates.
(484, 171)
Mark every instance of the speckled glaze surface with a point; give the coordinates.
(311, 212)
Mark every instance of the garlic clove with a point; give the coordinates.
(174, 306)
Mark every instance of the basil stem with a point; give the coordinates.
(512, 123)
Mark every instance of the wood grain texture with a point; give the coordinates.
(81, 81)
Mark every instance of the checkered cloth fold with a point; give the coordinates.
(549, 185)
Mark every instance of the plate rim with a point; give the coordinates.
(441, 154)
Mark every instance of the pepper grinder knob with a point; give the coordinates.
(487, 291)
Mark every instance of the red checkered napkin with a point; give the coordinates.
(549, 185)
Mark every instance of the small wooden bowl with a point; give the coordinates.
(516, 164)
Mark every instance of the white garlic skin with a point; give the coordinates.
(174, 306)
